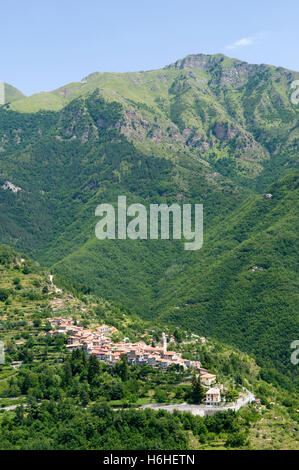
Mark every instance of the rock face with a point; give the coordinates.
(235, 73)
(8, 186)
(232, 72)
(201, 62)
(223, 131)
(257, 268)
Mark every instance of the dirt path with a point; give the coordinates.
(55, 288)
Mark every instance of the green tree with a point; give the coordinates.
(19, 415)
(231, 395)
(160, 395)
(236, 439)
(122, 368)
(197, 390)
(178, 336)
(93, 368)
(67, 373)
(84, 397)
(3, 295)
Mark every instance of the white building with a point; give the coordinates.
(213, 396)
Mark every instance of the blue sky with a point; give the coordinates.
(46, 44)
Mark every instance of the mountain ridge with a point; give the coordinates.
(195, 60)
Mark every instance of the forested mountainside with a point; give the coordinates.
(243, 283)
(207, 129)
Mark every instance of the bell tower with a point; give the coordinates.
(164, 343)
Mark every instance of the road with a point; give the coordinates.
(197, 410)
(203, 410)
(9, 408)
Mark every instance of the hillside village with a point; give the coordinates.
(98, 342)
(40, 322)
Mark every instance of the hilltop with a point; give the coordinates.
(12, 94)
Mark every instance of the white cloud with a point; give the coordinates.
(242, 42)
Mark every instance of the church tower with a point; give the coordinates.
(164, 343)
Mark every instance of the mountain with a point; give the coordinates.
(12, 94)
(206, 129)
(212, 105)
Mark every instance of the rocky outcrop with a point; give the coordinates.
(8, 186)
(223, 131)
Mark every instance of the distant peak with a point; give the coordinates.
(91, 76)
(10, 93)
(202, 61)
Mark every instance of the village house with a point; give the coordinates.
(152, 360)
(73, 346)
(106, 330)
(16, 364)
(208, 379)
(169, 355)
(213, 396)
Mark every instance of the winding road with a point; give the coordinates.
(203, 410)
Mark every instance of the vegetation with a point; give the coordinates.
(189, 133)
(99, 401)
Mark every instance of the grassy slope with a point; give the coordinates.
(12, 94)
(37, 102)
